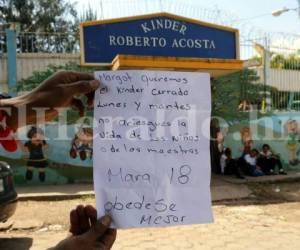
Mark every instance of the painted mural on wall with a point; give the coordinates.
(280, 132)
(82, 144)
(38, 157)
(41, 158)
(246, 123)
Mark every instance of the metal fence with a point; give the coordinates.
(275, 57)
(35, 52)
(29, 42)
(3, 47)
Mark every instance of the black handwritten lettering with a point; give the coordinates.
(130, 90)
(127, 177)
(132, 149)
(145, 107)
(112, 105)
(146, 219)
(174, 106)
(185, 171)
(109, 206)
(139, 205)
(157, 220)
(103, 90)
(150, 79)
(109, 135)
(152, 125)
(161, 220)
(178, 92)
(183, 175)
(135, 135)
(120, 79)
(114, 149)
(159, 206)
(176, 150)
(185, 138)
(129, 205)
(138, 105)
(158, 138)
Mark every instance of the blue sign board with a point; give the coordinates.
(160, 34)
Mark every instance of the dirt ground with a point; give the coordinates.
(271, 220)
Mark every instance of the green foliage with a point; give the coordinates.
(45, 25)
(39, 76)
(290, 62)
(229, 90)
(89, 14)
(37, 20)
(39, 16)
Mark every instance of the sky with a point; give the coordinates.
(244, 11)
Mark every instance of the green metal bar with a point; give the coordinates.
(291, 100)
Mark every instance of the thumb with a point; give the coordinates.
(99, 228)
(82, 87)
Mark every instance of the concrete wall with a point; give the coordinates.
(30, 62)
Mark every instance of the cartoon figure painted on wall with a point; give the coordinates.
(82, 144)
(246, 138)
(292, 141)
(244, 106)
(34, 147)
(7, 136)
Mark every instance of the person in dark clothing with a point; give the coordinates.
(215, 153)
(36, 158)
(268, 161)
(229, 165)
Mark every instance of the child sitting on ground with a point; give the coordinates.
(250, 167)
(268, 161)
(229, 166)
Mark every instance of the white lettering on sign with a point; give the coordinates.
(191, 43)
(161, 42)
(138, 41)
(151, 148)
(166, 24)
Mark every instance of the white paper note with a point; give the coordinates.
(151, 148)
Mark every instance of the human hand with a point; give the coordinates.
(58, 91)
(88, 233)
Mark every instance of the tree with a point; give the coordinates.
(89, 14)
(291, 62)
(37, 17)
(19, 11)
(228, 91)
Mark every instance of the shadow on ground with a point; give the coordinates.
(16, 243)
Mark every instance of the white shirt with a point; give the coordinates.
(250, 160)
(223, 163)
